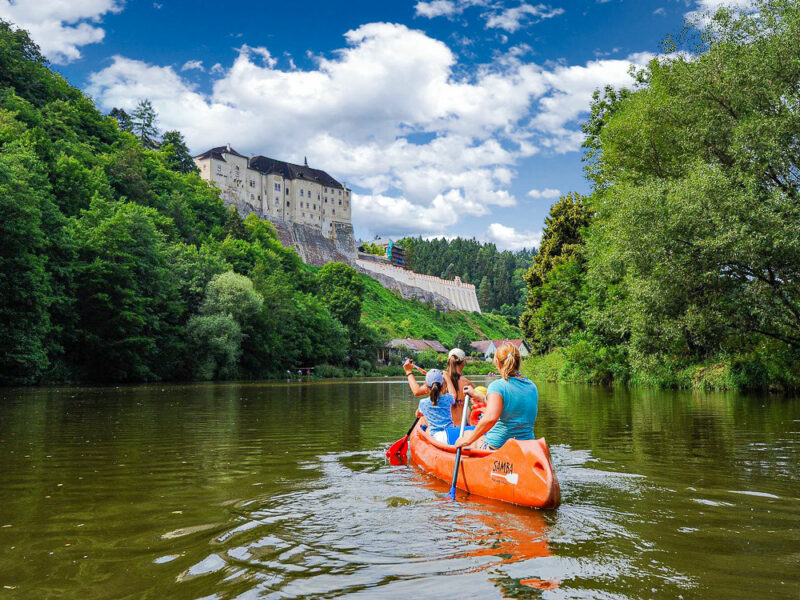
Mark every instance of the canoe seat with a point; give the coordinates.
(452, 432)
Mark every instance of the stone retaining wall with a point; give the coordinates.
(317, 249)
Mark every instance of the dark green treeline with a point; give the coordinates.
(496, 275)
(118, 263)
(686, 267)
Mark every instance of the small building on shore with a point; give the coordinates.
(400, 348)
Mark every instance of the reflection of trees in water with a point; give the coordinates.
(657, 427)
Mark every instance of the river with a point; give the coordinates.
(272, 490)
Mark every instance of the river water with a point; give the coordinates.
(276, 490)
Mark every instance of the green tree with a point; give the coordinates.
(123, 119)
(25, 284)
(485, 295)
(215, 341)
(698, 191)
(341, 291)
(176, 153)
(143, 124)
(232, 294)
(463, 341)
(127, 298)
(561, 242)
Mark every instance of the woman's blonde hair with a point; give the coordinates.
(507, 359)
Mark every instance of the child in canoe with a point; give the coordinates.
(478, 405)
(438, 408)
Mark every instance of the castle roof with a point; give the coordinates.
(291, 171)
(218, 152)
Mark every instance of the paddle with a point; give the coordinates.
(458, 452)
(400, 447)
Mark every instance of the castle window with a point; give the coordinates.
(315, 207)
(340, 192)
(252, 197)
(287, 190)
(277, 187)
(219, 169)
(252, 183)
(301, 192)
(340, 201)
(334, 211)
(287, 203)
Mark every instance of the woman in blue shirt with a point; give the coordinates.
(511, 405)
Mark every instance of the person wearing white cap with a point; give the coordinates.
(456, 359)
(438, 408)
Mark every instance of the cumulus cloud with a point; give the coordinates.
(547, 193)
(355, 113)
(60, 28)
(508, 238)
(192, 65)
(513, 19)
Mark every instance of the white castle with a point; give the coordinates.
(311, 212)
(277, 189)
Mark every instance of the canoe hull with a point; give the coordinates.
(520, 472)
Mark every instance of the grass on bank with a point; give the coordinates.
(396, 317)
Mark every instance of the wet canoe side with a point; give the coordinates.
(520, 472)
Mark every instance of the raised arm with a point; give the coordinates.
(416, 389)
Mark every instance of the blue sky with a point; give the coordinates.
(446, 117)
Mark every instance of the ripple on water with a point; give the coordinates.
(365, 528)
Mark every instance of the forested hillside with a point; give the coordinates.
(118, 263)
(496, 275)
(683, 267)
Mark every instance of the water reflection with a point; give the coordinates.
(274, 490)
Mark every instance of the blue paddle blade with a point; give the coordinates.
(452, 493)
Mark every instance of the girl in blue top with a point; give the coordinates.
(511, 405)
(438, 409)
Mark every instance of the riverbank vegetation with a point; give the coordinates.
(119, 263)
(682, 268)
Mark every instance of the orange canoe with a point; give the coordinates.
(520, 472)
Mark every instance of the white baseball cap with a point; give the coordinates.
(458, 353)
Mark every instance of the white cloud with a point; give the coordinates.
(437, 8)
(513, 19)
(351, 113)
(192, 65)
(60, 27)
(508, 238)
(660, 11)
(705, 8)
(546, 193)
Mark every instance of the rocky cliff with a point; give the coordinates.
(317, 249)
